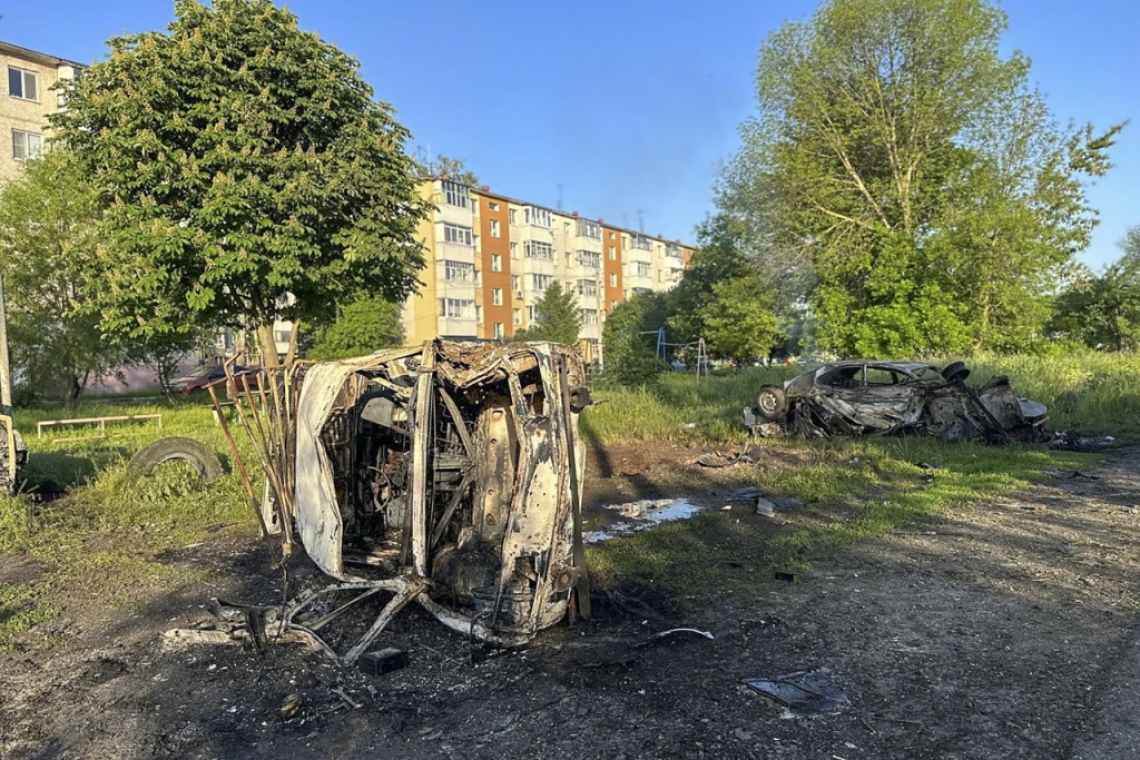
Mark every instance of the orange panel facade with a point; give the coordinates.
(612, 267)
(495, 267)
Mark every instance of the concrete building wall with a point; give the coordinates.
(515, 251)
(26, 82)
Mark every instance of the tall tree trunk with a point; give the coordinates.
(268, 346)
(291, 354)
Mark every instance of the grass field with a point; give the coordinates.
(101, 532)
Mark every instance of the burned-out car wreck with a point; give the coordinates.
(448, 475)
(867, 398)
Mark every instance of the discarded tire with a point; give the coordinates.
(771, 403)
(177, 448)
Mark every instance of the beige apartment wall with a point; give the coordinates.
(24, 114)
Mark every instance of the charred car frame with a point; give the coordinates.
(448, 475)
(863, 398)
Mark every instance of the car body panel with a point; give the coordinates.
(860, 398)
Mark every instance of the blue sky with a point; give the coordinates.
(623, 109)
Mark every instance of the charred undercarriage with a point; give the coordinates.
(448, 475)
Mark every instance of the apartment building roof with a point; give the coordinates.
(42, 58)
(485, 190)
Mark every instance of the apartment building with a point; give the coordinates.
(491, 257)
(27, 100)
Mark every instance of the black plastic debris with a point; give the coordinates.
(1067, 474)
(805, 692)
(381, 661)
(784, 503)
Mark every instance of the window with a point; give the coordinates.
(642, 242)
(611, 234)
(587, 288)
(675, 251)
(514, 250)
(589, 316)
(22, 84)
(455, 308)
(516, 317)
(458, 271)
(496, 262)
(26, 145)
(541, 281)
(644, 269)
(495, 228)
(536, 249)
(613, 253)
(453, 233)
(589, 229)
(500, 332)
(539, 217)
(493, 206)
(531, 314)
(455, 194)
(613, 305)
(515, 285)
(613, 279)
(592, 259)
(514, 216)
(566, 229)
(496, 296)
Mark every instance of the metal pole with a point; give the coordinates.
(5, 376)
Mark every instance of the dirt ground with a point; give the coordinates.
(1000, 630)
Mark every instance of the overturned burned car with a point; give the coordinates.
(864, 398)
(448, 474)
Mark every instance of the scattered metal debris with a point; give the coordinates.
(805, 692)
(672, 632)
(748, 455)
(448, 474)
(855, 398)
(1067, 474)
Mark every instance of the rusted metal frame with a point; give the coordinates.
(582, 592)
(324, 620)
(421, 456)
(260, 450)
(415, 586)
(448, 513)
(469, 626)
(556, 411)
(405, 589)
(523, 473)
(262, 447)
(457, 419)
(239, 462)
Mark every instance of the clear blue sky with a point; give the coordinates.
(629, 105)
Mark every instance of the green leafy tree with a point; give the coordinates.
(1104, 311)
(739, 324)
(900, 154)
(629, 339)
(360, 329)
(452, 168)
(246, 174)
(558, 317)
(717, 257)
(49, 224)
